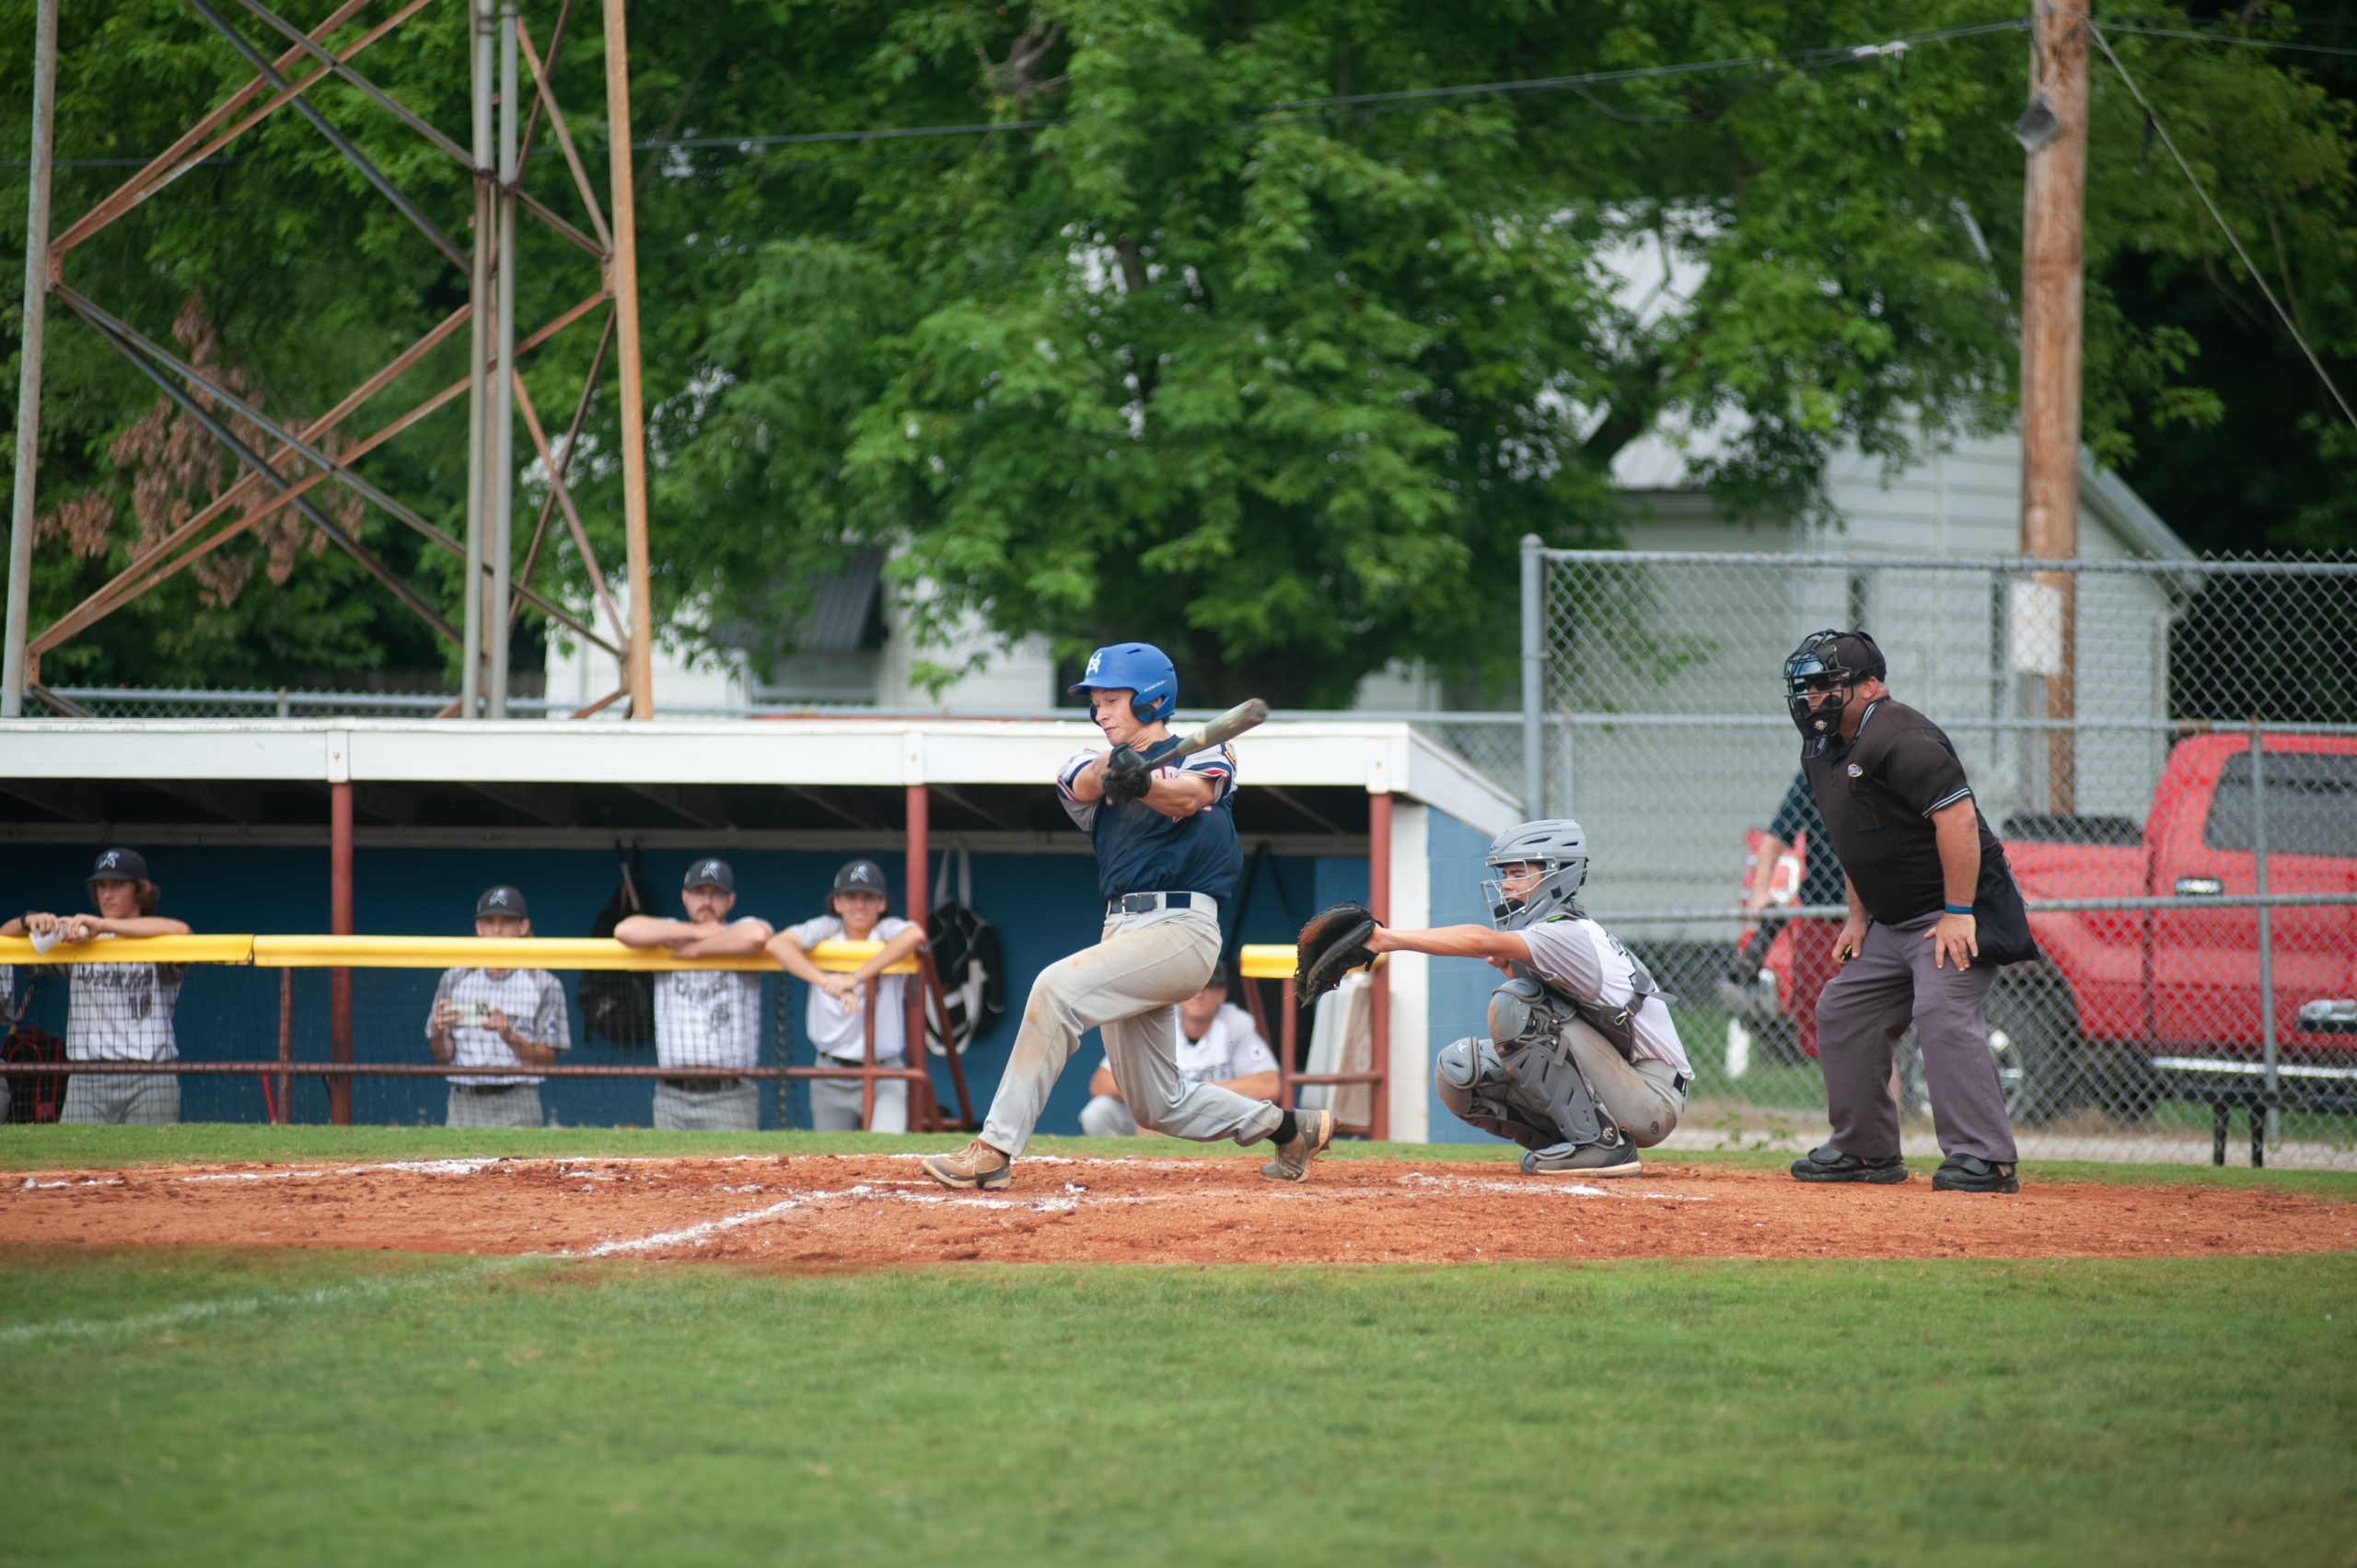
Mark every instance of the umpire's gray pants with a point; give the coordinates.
(737, 1110)
(498, 1105)
(1864, 1009)
(150, 1100)
(1127, 985)
(834, 1102)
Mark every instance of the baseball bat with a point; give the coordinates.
(1247, 715)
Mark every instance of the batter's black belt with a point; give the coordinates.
(1679, 1082)
(1147, 903)
(703, 1085)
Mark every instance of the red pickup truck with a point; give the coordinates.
(2134, 1004)
(2130, 1007)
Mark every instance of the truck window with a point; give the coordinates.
(2311, 805)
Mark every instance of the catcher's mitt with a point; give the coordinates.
(1127, 776)
(1331, 944)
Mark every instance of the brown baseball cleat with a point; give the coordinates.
(1313, 1129)
(976, 1165)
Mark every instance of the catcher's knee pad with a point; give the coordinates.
(1469, 1076)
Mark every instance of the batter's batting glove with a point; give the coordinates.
(1127, 777)
(1332, 944)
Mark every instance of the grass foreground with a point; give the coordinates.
(275, 1407)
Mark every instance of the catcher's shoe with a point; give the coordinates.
(1617, 1157)
(976, 1165)
(1970, 1173)
(1830, 1164)
(1313, 1129)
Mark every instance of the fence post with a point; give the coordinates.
(340, 922)
(1534, 677)
(2265, 934)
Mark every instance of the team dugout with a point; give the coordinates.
(394, 829)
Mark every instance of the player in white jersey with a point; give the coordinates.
(1216, 1045)
(836, 1019)
(706, 1017)
(118, 1012)
(502, 1018)
(1583, 1065)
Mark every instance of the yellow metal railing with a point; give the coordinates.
(418, 952)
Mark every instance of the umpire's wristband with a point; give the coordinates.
(1957, 909)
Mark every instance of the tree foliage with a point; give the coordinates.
(1167, 351)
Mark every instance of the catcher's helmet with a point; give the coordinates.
(1827, 661)
(1559, 847)
(1140, 668)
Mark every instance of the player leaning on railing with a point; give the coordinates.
(120, 1011)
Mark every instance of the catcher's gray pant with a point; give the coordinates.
(502, 1105)
(1106, 1117)
(835, 1104)
(1538, 1102)
(1861, 1013)
(1127, 985)
(139, 1100)
(708, 1110)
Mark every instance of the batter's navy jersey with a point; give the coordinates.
(1141, 850)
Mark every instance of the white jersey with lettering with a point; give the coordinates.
(123, 1011)
(710, 1018)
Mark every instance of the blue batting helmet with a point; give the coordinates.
(1138, 668)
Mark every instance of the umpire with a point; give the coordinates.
(1933, 911)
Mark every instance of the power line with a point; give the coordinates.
(1882, 50)
(2153, 118)
(2222, 38)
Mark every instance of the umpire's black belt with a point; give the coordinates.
(1147, 903)
(702, 1086)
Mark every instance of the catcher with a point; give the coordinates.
(1583, 1065)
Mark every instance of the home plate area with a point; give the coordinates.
(831, 1210)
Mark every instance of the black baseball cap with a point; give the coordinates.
(860, 876)
(119, 866)
(711, 873)
(502, 900)
(1860, 654)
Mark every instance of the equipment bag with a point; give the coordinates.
(618, 1005)
(965, 950)
(43, 1096)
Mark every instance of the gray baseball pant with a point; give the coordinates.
(1861, 1013)
(713, 1110)
(834, 1104)
(514, 1105)
(1106, 1117)
(137, 1100)
(1126, 985)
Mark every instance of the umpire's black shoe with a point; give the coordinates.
(1830, 1164)
(1970, 1173)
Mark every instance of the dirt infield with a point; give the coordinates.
(839, 1209)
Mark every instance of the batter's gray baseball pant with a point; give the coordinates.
(1126, 985)
(1864, 1009)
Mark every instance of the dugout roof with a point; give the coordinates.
(778, 780)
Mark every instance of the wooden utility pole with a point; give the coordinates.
(2054, 130)
(639, 670)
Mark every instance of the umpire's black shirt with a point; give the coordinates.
(1877, 794)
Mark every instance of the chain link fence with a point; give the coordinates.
(2168, 751)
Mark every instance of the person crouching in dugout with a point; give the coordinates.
(1583, 1065)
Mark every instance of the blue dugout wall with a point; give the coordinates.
(1045, 905)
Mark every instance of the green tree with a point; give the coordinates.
(1282, 387)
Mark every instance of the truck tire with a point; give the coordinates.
(2034, 1034)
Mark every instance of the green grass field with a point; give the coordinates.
(274, 1407)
